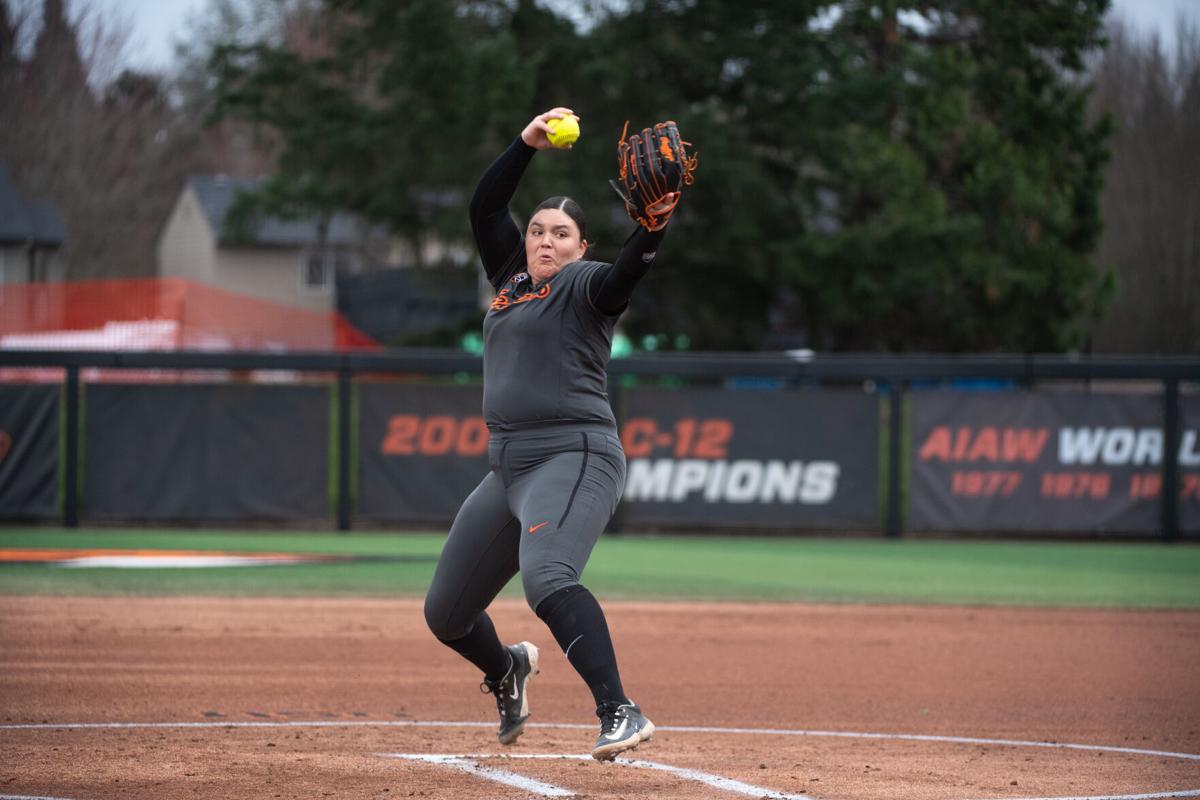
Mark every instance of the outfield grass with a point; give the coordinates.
(1087, 573)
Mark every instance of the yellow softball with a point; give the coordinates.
(563, 132)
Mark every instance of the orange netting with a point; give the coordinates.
(163, 314)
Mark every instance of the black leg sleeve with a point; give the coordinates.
(482, 647)
(577, 622)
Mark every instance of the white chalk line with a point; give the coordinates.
(663, 728)
(1151, 796)
(715, 781)
(410, 723)
(468, 764)
(30, 797)
(707, 778)
(917, 737)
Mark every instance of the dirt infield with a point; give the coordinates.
(291, 698)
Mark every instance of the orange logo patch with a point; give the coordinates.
(505, 299)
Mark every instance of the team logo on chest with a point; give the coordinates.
(506, 299)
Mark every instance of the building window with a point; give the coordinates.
(317, 270)
(320, 268)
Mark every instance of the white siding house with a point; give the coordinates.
(282, 261)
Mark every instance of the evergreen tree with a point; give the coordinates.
(374, 119)
(56, 62)
(9, 64)
(880, 175)
(8, 39)
(964, 178)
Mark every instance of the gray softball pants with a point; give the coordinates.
(540, 510)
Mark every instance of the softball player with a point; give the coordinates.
(556, 464)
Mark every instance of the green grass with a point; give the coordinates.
(1085, 573)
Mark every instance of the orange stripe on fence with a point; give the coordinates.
(25, 554)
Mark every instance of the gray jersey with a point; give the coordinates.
(546, 351)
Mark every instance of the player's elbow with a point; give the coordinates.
(477, 209)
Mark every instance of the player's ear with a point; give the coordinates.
(583, 246)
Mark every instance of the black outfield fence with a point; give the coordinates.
(992, 444)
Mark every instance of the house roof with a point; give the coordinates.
(24, 222)
(47, 224)
(216, 194)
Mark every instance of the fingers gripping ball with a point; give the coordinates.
(653, 166)
(563, 132)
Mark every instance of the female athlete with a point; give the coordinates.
(556, 464)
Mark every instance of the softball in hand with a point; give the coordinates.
(563, 132)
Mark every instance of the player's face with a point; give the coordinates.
(551, 242)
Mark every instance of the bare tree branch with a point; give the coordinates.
(1151, 199)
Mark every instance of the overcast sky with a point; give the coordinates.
(157, 23)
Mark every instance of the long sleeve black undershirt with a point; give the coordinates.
(502, 245)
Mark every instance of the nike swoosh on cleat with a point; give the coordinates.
(615, 735)
(533, 528)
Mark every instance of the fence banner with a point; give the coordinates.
(29, 450)
(1189, 465)
(708, 457)
(206, 452)
(696, 457)
(422, 450)
(1046, 461)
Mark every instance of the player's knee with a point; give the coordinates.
(539, 588)
(440, 622)
(548, 607)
